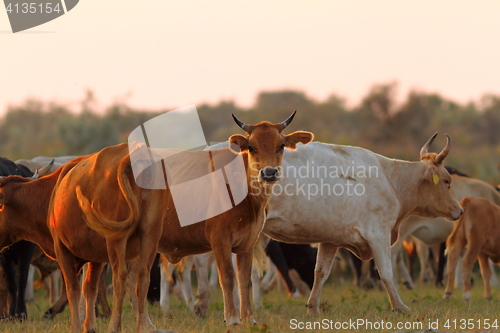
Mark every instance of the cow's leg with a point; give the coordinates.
(90, 286)
(202, 264)
(275, 253)
(30, 293)
(468, 261)
(266, 280)
(164, 287)
(10, 277)
(116, 251)
(405, 274)
(132, 287)
(324, 262)
(102, 299)
(441, 265)
(396, 257)
(356, 265)
(257, 300)
(244, 266)
(405, 230)
(455, 250)
(214, 276)
(236, 291)
(423, 259)
(484, 265)
(494, 279)
(154, 285)
(70, 270)
(382, 257)
(24, 267)
(187, 288)
(150, 238)
(222, 255)
(59, 304)
(55, 278)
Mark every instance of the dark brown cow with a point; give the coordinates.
(88, 223)
(478, 230)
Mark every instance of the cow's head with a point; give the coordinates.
(437, 197)
(265, 144)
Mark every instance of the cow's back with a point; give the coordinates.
(96, 175)
(331, 184)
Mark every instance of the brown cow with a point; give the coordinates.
(479, 231)
(137, 222)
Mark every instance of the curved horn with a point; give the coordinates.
(45, 170)
(35, 176)
(240, 123)
(445, 150)
(425, 149)
(288, 120)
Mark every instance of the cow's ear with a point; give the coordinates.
(431, 175)
(240, 141)
(292, 139)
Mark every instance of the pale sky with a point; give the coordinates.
(164, 54)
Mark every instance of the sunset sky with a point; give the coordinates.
(165, 54)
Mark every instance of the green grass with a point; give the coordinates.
(339, 303)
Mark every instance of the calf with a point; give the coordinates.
(478, 230)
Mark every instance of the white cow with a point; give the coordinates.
(436, 231)
(343, 196)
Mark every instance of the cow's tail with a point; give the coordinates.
(457, 227)
(106, 227)
(259, 254)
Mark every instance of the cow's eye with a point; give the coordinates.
(251, 150)
(280, 149)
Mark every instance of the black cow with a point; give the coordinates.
(301, 257)
(19, 253)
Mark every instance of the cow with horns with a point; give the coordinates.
(311, 208)
(139, 222)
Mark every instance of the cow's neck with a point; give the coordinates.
(405, 178)
(32, 203)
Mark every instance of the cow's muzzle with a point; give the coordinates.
(457, 215)
(269, 174)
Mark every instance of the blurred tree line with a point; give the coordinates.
(377, 123)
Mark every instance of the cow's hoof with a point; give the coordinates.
(233, 321)
(91, 330)
(312, 310)
(200, 311)
(402, 309)
(488, 298)
(49, 314)
(408, 285)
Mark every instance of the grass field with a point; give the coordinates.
(341, 303)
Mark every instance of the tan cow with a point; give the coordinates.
(435, 231)
(478, 230)
(88, 223)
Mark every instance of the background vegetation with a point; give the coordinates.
(377, 123)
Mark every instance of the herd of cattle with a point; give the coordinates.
(90, 210)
